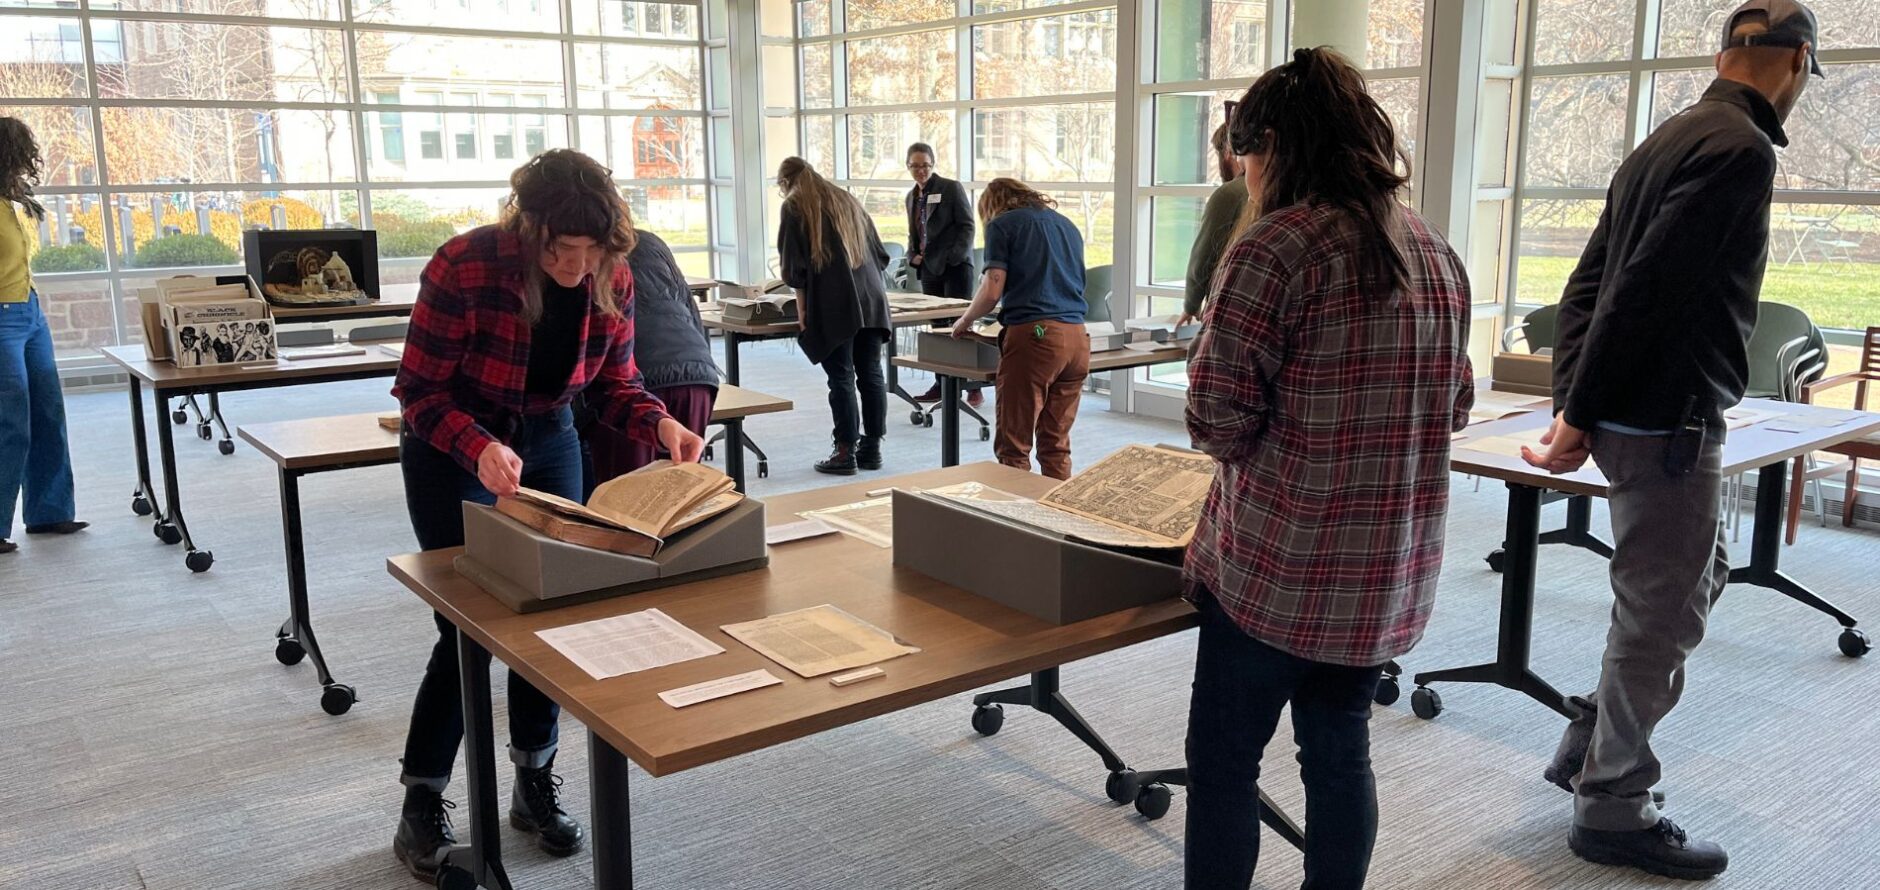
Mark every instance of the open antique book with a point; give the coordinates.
(631, 514)
(1142, 496)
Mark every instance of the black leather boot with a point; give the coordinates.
(424, 834)
(868, 454)
(1663, 849)
(841, 462)
(535, 807)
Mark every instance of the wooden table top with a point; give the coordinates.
(714, 321)
(348, 439)
(966, 641)
(1109, 360)
(167, 376)
(1745, 449)
(387, 305)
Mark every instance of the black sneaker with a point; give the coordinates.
(424, 834)
(535, 807)
(841, 462)
(868, 454)
(7, 546)
(1663, 849)
(58, 528)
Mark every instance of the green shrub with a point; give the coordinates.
(401, 238)
(186, 250)
(80, 257)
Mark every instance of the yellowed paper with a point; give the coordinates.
(1070, 525)
(655, 500)
(1506, 446)
(819, 640)
(872, 520)
(1155, 491)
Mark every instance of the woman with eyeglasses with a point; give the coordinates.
(512, 321)
(833, 258)
(1331, 370)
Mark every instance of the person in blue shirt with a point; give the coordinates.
(1035, 273)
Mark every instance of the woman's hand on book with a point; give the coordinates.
(499, 469)
(684, 445)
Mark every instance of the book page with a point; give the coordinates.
(1152, 490)
(626, 644)
(872, 520)
(647, 500)
(819, 640)
(1069, 525)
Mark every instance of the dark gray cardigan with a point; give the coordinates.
(669, 342)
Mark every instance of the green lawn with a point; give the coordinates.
(1835, 295)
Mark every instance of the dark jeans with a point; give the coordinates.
(954, 281)
(435, 489)
(1241, 684)
(859, 365)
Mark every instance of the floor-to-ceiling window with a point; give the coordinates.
(170, 126)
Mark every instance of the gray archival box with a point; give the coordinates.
(1026, 568)
(530, 571)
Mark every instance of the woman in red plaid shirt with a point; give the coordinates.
(1328, 377)
(512, 321)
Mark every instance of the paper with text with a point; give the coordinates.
(819, 640)
(719, 688)
(1148, 490)
(626, 644)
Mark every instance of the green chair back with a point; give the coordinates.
(1097, 289)
(1777, 326)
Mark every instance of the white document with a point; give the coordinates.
(1810, 420)
(1506, 446)
(818, 640)
(395, 350)
(330, 350)
(1738, 418)
(797, 531)
(719, 688)
(626, 644)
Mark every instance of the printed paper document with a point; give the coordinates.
(719, 688)
(819, 640)
(626, 644)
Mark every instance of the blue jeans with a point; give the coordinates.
(34, 456)
(435, 489)
(1241, 685)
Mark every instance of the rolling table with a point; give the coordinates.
(966, 642)
(324, 444)
(1748, 448)
(951, 378)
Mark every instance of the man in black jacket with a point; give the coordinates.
(939, 240)
(1653, 348)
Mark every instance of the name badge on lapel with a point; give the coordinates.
(933, 199)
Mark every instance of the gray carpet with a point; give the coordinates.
(153, 742)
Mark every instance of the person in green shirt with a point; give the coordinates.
(1218, 220)
(34, 457)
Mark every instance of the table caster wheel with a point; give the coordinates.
(337, 699)
(706, 454)
(289, 651)
(167, 533)
(927, 421)
(1426, 703)
(985, 434)
(199, 560)
(987, 719)
(1855, 642)
(1497, 560)
(141, 505)
(763, 469)
(204, 431)
(917, 417)
(1152, 801)
(1387, 691)
(179, 417)
(1121, 786)
(226, 446)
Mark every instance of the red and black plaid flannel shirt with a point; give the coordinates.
(462, 380)
(1329, 409)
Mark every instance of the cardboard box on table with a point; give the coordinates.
(1531, 375)
(1044, 575)
(529, 571)
(223, 327)
(970, 351)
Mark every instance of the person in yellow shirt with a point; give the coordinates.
(34, 457)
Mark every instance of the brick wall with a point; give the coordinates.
(79, 314)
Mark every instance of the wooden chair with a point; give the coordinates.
(1867, 448)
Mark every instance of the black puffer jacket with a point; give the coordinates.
(669, 342)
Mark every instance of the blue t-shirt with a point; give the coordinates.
(1043, 258)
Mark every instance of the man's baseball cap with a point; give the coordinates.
(1790, 24)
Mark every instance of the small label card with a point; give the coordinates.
(719, 688)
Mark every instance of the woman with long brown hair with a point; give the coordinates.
(1331, 370)
(512, 321)
(834, 259)
(1035, 274)
(35, 458)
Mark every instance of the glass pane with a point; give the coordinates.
(1174, 223)
(153, 145)
(280, 9)
(1210, 39)
(866, 14)
(1095, 216)
(780, 141)
(165, 230)
(1674, 91)
(65, 143)
(725, 206)
(636, 76)
(496, 15)
(878, 142)
(239, 63)
(777, 75)
(887, 208)
(813, 17)
(1825, 260)
(819, 141)
(1048, 56)
(1399, 99)
(1499, 40)
(694, 263)
(1831, 145)
(44, 58)
(721, 147)
(1577, 131)
(415, 222)
(390, 60)
(675, 212)
(1184, 124)
(648, 147)
(419, 145)
(625, 18)
(776, 18)
(1491, 133)
(1572, 31)
(1395, 36)
(1046, 143)
(1485, 256)
(819, 89)
(903, 69)
(1695, 27)
(82, 316)
(1553, 235)
(981, 7)
(721, 77)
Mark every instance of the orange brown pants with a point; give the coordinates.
(1042, 367)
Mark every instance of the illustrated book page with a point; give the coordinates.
(1153, 491)
(818, 640)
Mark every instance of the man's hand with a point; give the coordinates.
(499, 469)
(684, 445)
(914, 260)
(1567, 448)
(1182, 320)
(962, 327)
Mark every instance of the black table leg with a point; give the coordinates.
(1579, 528)
(613, 829)
(1510, 667)
(173, 528)
(144, 498)
(1765, 559)
(481, 863)
(949, 420)
(295, 639)
(732, 341)
(894, 372)
(226, 444)
(734, 451)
